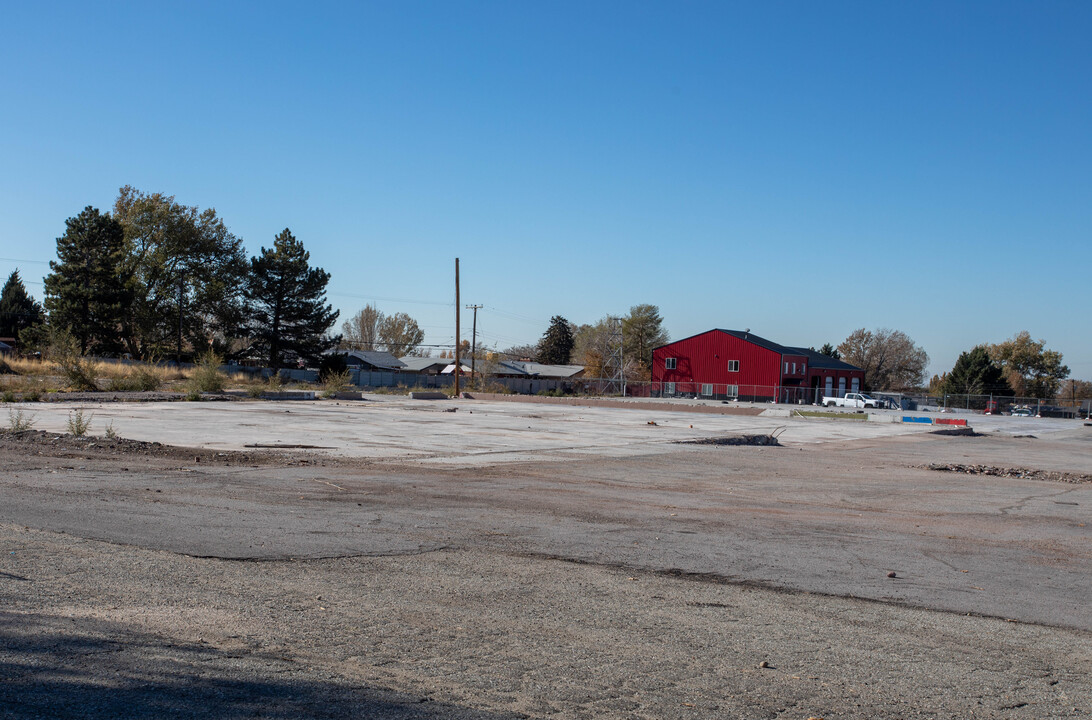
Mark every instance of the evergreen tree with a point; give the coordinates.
(975, 373)
(18, 310)
(84, 292)
(830, 351)
(287, 303)
(556, 345)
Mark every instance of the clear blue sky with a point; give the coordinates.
(802, 169)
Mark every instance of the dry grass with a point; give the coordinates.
(46, 376)
(29, 385)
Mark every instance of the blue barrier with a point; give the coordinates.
(917, 419)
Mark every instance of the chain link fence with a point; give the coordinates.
(798, 395)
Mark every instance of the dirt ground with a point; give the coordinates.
(838, 580)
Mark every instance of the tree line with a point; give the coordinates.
(891, 360)
(595, 345)
(155, 279)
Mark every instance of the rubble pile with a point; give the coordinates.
(1021, 473)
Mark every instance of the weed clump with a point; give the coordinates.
(334, 382)
(19, 421)
(206, 376)
(78, 422)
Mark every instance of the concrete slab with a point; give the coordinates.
(454, 431)
(469, 432)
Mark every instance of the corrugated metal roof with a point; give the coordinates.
(760, 341)
(815, 359)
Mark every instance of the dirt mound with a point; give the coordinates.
(65, 445)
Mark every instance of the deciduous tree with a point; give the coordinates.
(1075, 390)
(400, 334)
(362, 330)
(520, 352)
(85, 292)
(286, 299)
(556, 345)
(593, 347)
(187, 272)
(1031, 369)
(18, 310)
(642, 331)
(889, 358)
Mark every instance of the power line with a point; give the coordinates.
(517, 316)
(390, 299)
(16, 260)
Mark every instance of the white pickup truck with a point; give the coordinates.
(857, 400)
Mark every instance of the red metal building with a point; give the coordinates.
(734, 364)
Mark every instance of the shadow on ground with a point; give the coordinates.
(56, 667)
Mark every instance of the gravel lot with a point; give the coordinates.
(142, 580)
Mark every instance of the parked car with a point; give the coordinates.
(1021, 411)
(857, 400)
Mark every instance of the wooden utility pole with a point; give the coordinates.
(473, 342)
(457, 310)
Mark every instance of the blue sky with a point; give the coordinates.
(801, 169)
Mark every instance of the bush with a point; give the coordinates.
(141, 379)
(9, 396)
(78, 374)
(206, 376)
(78, 371)
(78, 422)
(147, 378)
(331, 365)
(6, 369)
(335, 382)
(19, 421)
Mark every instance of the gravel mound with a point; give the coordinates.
(1022, 473)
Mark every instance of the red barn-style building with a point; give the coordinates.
(735, 364)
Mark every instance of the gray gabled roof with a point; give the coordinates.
(419, 364)
(819, 360)
(375, 358)
(534, 369)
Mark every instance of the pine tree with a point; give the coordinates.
(287, 303)
(18, 310)
(84, 292)
(556, 345)
(975, 373)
